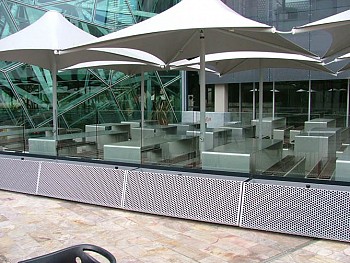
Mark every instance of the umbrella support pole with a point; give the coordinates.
(309, 104)
(261, 94)
(348, 103)
(54, 104)
(142, 92)
(254, 102)
(273, 99)
(240, 102)
(142, 97)
(202, 95)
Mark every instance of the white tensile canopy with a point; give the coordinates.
(338, 26)
(194, 28)
(40, 43)
(127, 67)
(229, 62)
(175, 34)
(341, 58)
(133, 67)
(36, 43)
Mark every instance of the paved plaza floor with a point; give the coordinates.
(32, 226)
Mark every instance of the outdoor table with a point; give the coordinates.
(248, 156)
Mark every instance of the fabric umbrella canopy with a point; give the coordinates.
(229, 62)
(39, 44)
(176, 33)
(133, 67)
(342, 58)
(336, 25)
(127, 67)
(194, 28)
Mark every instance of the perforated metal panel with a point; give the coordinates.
(198, 198)
(313, 212)
(295, 210)
(87, 184)
(18, 175)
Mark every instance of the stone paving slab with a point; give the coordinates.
(31, 226)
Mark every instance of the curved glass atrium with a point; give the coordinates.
(305, 127)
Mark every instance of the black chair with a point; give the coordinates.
(73, 254)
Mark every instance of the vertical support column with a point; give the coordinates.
(54, 101)
(149, 99)
(261, 99)
(142, 92)
(240, 102)
(347, 103)
(142, 108)
(273, 99)
(184, 91)
(202, 94)
(221, 98)
(254, 102)
(309, 107)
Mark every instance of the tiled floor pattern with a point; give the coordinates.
(32, 226)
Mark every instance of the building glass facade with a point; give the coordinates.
(26, 90)
(89, 99)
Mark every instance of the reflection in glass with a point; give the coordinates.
(99, 110)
